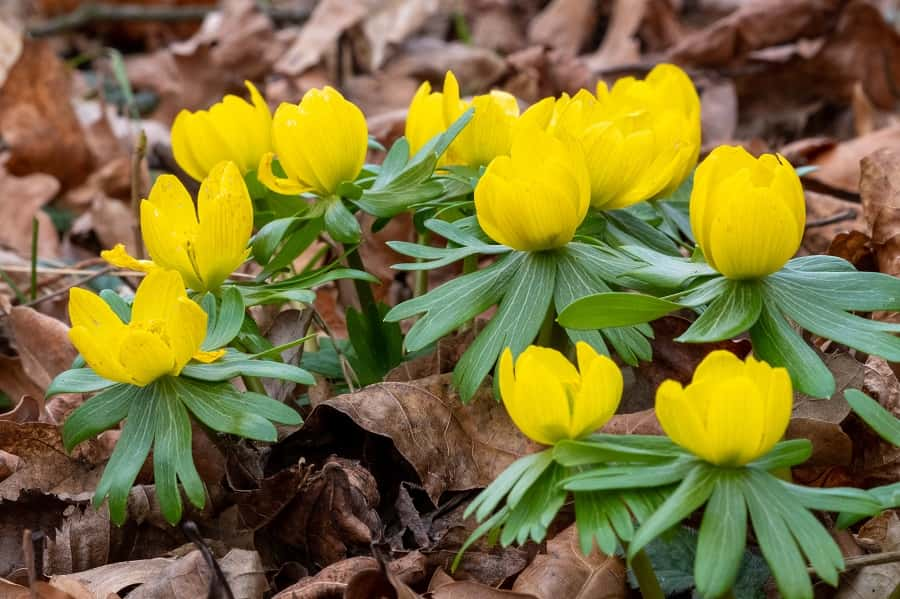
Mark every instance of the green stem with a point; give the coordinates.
(470, 264)
(421, 284)
(646, 577)
(363, 289)
(729, 594)
(254, 384)
(35, 226)
(545, 335)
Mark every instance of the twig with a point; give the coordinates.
(35, 229)
(346, 368)
(137, 158)
(861, 561)
(848, 214)
(93, 12)
(123, 273)
(218, 584)
(305, 321)
(64, 290)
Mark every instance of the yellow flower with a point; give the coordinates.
(165, 332)
(320, 143)
(747, 214)
(204, 251)
(530, 200)
(549, 400)
(232, 129)
(731, 413)
(641, 139)
(425, 118)
(490, 132)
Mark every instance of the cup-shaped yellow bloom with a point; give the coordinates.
(203, 245)
(490, 132)
(534, 200)
(232, 129)
(425, 118)
(320, 143)
(747, 214)
(549, 400)
(732, 412)
(165, 332)
(641, 138)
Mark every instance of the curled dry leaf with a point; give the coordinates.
(42, 343)
(879, 580)
(388, 580)
(21, 199)
(333, 514)
(451, 446)
(839, 167)
(753, 26)
(565, 572)
(880, 191)
(477, 69)
(442, 586)
(173, 578)
(565, 25)
(620, 46)
(332, 581)
(38, 122)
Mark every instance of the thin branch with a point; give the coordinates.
(137, 159)
(64, 290)
(77, 271)
(848, 214)
(92, 12)
(874, 559)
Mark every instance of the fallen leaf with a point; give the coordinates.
(386, 582)
(332, 581)
(565, 572)
(879, 580)
(880, 192)
(43, 345)
(443, 586)
(476, 69)
(826, 218)
(840, 166)
(21, 200)
(38, 123)
(451, 446)
(333, 513)
(719, 112)
(565, 25)
(620, 45)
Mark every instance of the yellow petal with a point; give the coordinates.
(182, 146)
(156, 297)
(718, 365)
(284, 186)
(599, 392)
(99, 353)
(425, 118)
(119, 257)
(145, 357)
(226, 223)
(208, 357)
(774, 385)
(185, 331)
(169, 227)
(544, 402)
(680, 418)
(735, 422)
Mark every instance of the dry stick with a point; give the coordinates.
(848, 214)
(137, 158)
(123, 273)
(64, 290)
(218, 584)
(861, 561)
(91, 12)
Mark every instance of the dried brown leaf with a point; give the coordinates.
(452, 446)
(43, 344)
(21, 199)
(564, 25)
(565, 572)
(880, 191)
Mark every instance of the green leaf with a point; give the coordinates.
(118, 305)
(669, 272)
(859, 291)
(268, 408)
(693, 492)
(530, 518)
(602, 517)
(785, 454)
(377, 345)
(883, 422)
(172, 458)
(821, 550)
(340, 223)
(777, 543)
(626, 229)
(778, 344)
(77, 380)
(614, 309)
(730, 314)
(700, 293)
(604, 478)
(488, 500)
(574, 453)
(723, 536)
(222, 408)
(101, 412)
(828, 321)
(225, 320)
(296, 241)
(235, 364)
(130, 452)
(455, 302)
(833, 499)
(266, 240)
(515, 325)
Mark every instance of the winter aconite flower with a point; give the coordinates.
(747, 214)
(320, 143)
(232, 129)
(731, 413)
(165, 331)
(203, 245)
(549, 400)
(530, 200)
(641, 138)
(489, 134)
